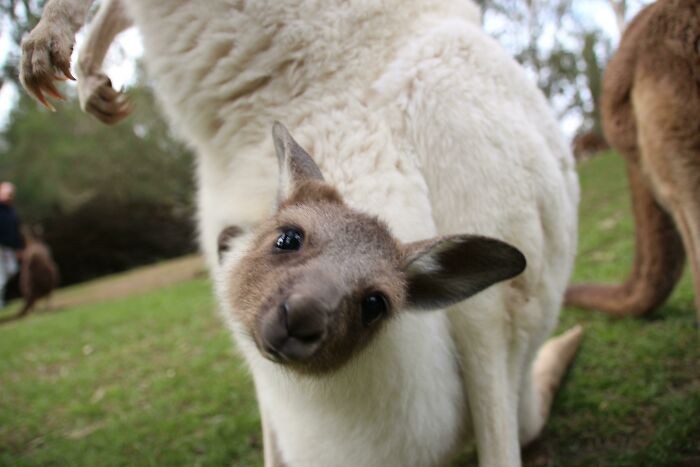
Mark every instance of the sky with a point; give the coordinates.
(120, 61)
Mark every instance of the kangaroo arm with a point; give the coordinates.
(72, 13)
(110, 20)
(95, 92)
(46, 51)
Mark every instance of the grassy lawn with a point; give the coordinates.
(633, 395)
(153, 379)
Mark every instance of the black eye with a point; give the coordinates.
(373, 307)
(291, 239)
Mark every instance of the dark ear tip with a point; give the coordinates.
(513, 257)
(520, 263)
(224, 240)
(513, 262)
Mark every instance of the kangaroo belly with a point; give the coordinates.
(400, 403)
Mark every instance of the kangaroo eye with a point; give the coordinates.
(290, 239)
(373, 307)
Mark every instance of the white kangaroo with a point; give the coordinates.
(413, 114)
(316, 298)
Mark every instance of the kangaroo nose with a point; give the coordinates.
(306, 318)
(296, 329)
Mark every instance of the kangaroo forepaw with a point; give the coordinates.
(100, 99)
(46, 53)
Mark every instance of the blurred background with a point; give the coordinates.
(105, 199)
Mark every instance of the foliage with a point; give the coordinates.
(114, 196)
(106, 236)
(152, 379)
(108, 198)
(565, 54)
(61, 160)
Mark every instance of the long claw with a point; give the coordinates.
(51, 90)
(40, 97)
(65, 68)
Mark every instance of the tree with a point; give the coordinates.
(61, 160)
(563, 46)
(565, 55)
(109, 198)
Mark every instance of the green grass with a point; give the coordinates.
(148, 380)
(154, 380)
(633, 395)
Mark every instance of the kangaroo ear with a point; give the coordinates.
(225, 239)
(443, 271)
(296, 166)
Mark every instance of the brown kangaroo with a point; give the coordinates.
(651, 115)
(38, 275)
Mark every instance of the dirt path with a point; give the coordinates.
(138, 280)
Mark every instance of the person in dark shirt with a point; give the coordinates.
(11, 241)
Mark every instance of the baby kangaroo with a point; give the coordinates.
(332, 314)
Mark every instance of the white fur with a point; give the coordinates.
(417, 116)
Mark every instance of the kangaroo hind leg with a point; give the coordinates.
(542, 382)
